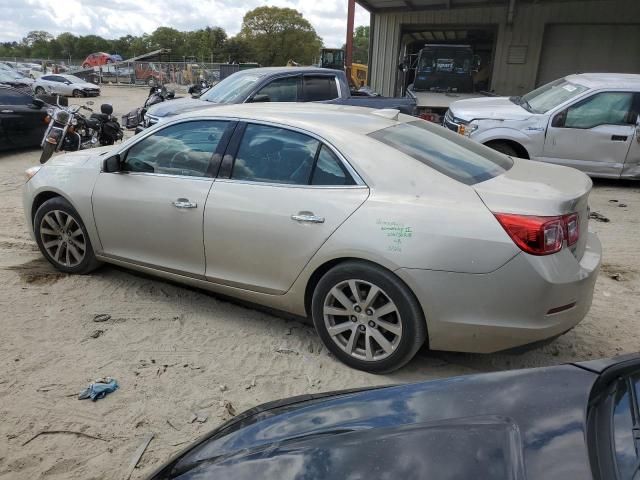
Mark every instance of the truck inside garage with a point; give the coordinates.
(524, 43)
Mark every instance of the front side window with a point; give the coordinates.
(607, 108)
(449, 153)
(274, 155)
(320, 88)
(280, 90)
(182, 149)
(549, 96)
(626, 456)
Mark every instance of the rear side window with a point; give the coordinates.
(317, 89)
(329, 170)
(447, 152)
(274, 155)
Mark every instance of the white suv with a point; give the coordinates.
(587, 121)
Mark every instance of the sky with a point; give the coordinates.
(115, 18)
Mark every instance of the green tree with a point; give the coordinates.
(166, 37)
(276, 35)
(237, 50)
(360, 45)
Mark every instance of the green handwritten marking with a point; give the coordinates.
(396, 231)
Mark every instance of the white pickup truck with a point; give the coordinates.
(587, 121)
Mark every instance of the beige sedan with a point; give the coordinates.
(387, 230)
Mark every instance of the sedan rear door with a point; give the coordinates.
(593, 134)
(279, 196)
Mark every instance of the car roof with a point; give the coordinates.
(275, 70)
(319, 118)
(606, 80)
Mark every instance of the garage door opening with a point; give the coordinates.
(455, 58)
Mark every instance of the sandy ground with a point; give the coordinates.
(177, 352)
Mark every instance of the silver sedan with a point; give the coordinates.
(68, 85)
(386, 230)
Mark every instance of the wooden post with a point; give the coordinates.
(348, 60)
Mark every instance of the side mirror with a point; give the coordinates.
(477, 61)
(112, 164)
(260, 98)
(67, 82)
(559, 119)
(38, 103)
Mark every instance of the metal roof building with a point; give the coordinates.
(522, 43)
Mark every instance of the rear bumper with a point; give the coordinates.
(509, 307)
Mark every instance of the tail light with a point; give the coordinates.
(430, 117)
(540, 235)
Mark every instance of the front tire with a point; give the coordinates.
(63, 238)
(47, 151)
(505, 148)
(77, 93)
(40, 91)
(367, 317)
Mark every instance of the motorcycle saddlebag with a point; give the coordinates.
(131, 119)
(111, 131)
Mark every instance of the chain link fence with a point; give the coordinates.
(143, 73)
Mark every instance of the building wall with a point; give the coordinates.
(527, 29)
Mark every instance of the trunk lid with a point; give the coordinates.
(533, 188)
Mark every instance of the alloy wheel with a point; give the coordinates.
(63, 238)
(362, 320)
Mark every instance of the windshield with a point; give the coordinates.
(446, 60)
(549, 96)
(449, 153)
(233, 89)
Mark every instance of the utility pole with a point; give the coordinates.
(351, 7)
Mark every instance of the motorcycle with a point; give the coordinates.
(135, 117)
(69, 130)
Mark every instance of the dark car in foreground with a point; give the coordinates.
(22, 119)
(278, 84)
(566, 422)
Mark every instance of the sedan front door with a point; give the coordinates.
(151, 212)
(593, 134)
(21, 122)
(274, 204)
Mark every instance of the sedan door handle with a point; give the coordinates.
(6, 111)
(184, 203)
(307, 217)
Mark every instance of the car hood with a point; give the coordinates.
(487, 426)
(495, 108)
(178, 106)
(89, 157)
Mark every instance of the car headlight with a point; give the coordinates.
(467, 129)
(30, 172)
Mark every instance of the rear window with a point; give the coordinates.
(449, 153)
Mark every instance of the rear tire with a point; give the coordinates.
(47, 151)
(63, 238)
(381, 330)
(505, 148)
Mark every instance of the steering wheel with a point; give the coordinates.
(179, 158)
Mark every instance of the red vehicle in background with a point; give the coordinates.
(97, 59)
